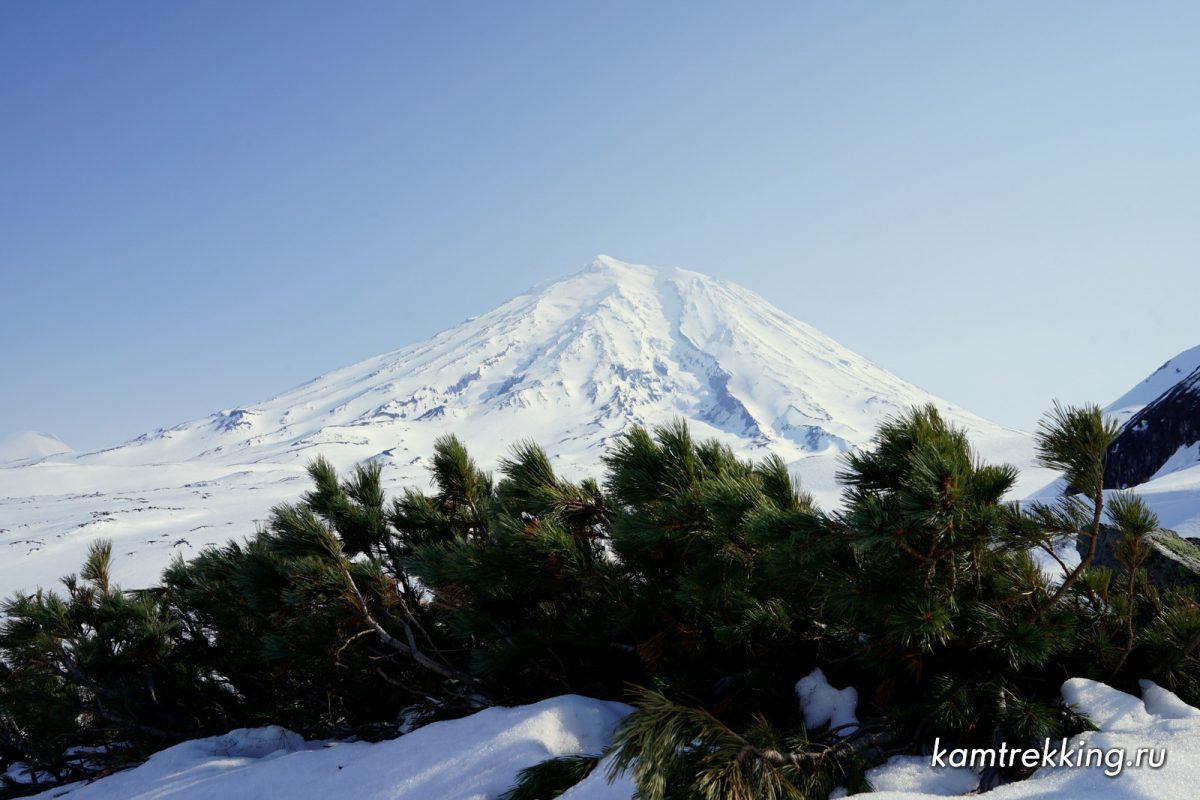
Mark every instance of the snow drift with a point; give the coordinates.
(479, 757)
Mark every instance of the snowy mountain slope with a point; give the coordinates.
(1158, 450)
(1155, 385)
(569, 364)
(31, 446)
(1160, 438)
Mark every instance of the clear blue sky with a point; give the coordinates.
(204, 204)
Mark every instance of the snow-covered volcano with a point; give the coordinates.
(568, 364)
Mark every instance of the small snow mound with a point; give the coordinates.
(914, 774)
(1108, 708)
(567, 725)
(1164, 703)
(822, 704)
(257, 742)
(597, 787)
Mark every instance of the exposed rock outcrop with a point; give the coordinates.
(1173, 560)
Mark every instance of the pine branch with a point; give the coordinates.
(1049, 549)
(1075, 440)
(1130, 638)
(1093, 535)
(410, 648)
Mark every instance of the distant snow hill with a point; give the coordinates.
(30, 446)
(569, 364)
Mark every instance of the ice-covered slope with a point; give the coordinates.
(569, 364)
(30, 446)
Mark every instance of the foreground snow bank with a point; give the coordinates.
(479, 756)
(1158, 720)
(472, 758)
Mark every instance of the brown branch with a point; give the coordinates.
(1061, 564)
(1085, 562)
(846, 747)
(410, 649)
(351, 640)
(910, 550)
(1192, 645)
(1129, 640)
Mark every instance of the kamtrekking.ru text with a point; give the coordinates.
(1062, 753)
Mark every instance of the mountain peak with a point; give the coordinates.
(606, 263)
(1155, 385)
(626, 270)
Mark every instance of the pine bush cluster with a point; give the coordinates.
(693, 584)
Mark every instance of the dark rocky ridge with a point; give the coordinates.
(1155, 434)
